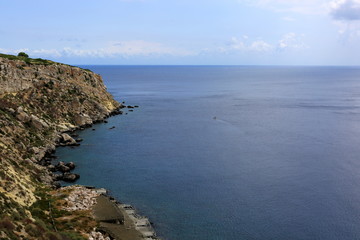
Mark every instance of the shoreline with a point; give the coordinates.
(132, 222)
(133, 226)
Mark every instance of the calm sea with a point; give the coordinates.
(228, 153)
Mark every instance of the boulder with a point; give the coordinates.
(70, 177)
(61, 167)
(38, 123)
(66, 140)
(57, 177)
(70, 165)
(22, 117)
(82, 119)
(51, 168)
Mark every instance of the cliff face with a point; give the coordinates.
(37, 102)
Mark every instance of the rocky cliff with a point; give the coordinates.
(39, 99)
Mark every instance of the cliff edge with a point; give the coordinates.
(40, 99)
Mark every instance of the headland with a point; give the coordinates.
(41, 103)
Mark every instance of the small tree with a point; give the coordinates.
(22, 54)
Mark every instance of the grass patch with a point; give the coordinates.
(35, 61)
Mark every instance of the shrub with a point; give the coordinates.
(22, 54)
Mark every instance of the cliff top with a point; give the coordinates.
(35, 61)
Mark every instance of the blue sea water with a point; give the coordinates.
(280, 160)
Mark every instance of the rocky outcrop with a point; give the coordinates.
(39, 103)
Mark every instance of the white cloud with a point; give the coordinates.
(237, 44)
(242, 45)
(113, 49)
(261, 46)
(346, 14)
(291, 41)
(346, 10)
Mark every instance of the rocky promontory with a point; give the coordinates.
(40, 101)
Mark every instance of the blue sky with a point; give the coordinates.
(239, 32)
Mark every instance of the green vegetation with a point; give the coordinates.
(50, 221)
(30, 61)
(34, 61)
(22, 54)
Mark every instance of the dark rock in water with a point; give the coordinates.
(74, 144)
(136, 106)
(130, 106)
(62, 167)
(116, 112)
(74, 135)
(131, 110)
(66, 140)
(70, 165)
(93, 129)
(126, 113)
(98, 121)
(70, 177)
(60, 163)
(79, 140)
(112, 127)
(105, 121)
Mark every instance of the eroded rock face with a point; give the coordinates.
(38, 103)
(82, 119)
(38, 123)
(22, 116)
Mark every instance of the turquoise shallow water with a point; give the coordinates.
(281, 160)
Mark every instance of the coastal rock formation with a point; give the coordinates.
(40, 101)
(70, 177)
(80, 198)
